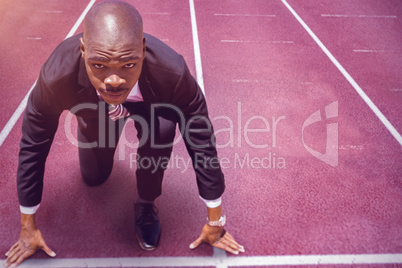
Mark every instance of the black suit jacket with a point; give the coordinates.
(63, 83)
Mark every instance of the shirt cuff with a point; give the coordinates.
(29, 210)
(212, 203)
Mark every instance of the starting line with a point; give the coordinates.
(219, 261)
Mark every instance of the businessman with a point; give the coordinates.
(112, 72)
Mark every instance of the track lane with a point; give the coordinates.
(27, 40)
(268, 68)
(364, 38)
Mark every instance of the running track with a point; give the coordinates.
(266, 67)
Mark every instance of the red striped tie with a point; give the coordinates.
(117, 111)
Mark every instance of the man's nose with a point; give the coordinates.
(114, 80)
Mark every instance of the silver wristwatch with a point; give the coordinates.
(220, 223)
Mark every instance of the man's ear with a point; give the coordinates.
(144, 45)
(82, 48)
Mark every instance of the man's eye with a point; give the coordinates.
(129, 65)
(99, 66)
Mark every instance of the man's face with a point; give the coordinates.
(113, 67)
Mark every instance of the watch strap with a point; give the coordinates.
(220, 223)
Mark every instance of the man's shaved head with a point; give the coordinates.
(113, 48)
(113, 21)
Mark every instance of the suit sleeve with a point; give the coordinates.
(198, 135)
(39, 125)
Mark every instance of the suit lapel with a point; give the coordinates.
(147, 92)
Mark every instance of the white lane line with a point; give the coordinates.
(249, 81)
(396, 89)
(245, 15)
(34, 38)
(220, 255)
(243, 81)
(351, 147)
(156, 13)
(80, 19)
(282, 42)
(14, 118)
(52, 11)
(239, 41)
(20, 109)
(350, 259)
(372, 51)
(257, 41)
(360, 16)
(358, 89)
(196, 44)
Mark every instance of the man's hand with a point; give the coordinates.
(30, 241)
(218, 237)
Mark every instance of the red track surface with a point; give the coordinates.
(257, 70)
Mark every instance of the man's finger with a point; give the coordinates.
(12, 258)
(48, 251)
(21, 258)
(232, 242)
(225, 247)
(13, 255)
(229, 245)
(197, 242)
(228, 237)
(11, 249)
